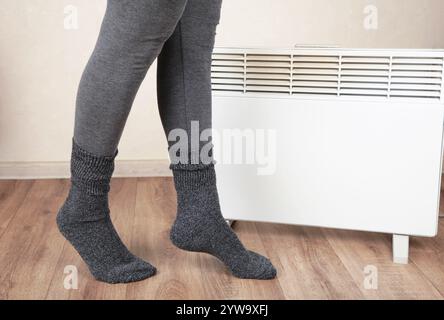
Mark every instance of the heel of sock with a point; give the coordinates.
(186, 238)
(178, 239)
(60, 220)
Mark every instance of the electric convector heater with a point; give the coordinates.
(341, 138)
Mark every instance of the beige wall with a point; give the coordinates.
(41, 62)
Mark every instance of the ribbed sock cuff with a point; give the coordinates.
(90, 172)
(193, 176)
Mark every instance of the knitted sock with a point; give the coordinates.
(85, 222)
(200, 226)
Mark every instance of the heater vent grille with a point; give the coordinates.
(325, 72)
(315, 74)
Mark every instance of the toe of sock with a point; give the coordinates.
(268, 271)
(265, 269)
(258, 267)
(133, 271)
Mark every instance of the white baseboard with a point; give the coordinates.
(60, 170)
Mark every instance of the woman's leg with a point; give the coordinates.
(131, 38)
(132, 35)
(184, 95)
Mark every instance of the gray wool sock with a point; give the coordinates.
(85, 222)
(200, 226)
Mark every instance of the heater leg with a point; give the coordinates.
(400, 249)
(230, 222)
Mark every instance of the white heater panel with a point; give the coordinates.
(361, 165)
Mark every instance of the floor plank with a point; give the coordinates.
(30, 246)
(395, 281)
(428, 255)
(12, 195)
(308, 266)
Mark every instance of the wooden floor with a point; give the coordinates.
(312, 263)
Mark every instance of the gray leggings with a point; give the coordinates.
(134, 33)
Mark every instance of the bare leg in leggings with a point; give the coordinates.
(133, 34)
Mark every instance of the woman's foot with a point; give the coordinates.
(200, 226)
(85, 222)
